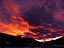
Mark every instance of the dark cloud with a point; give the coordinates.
(35, 12)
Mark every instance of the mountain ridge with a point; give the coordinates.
(14, 41)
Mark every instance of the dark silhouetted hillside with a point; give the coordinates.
(14, 41)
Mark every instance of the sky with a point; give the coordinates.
(38, 19)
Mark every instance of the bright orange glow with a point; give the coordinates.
(15, 29)
(18, 26)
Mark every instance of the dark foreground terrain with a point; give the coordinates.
(10, 41)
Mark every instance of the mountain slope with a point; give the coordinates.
(14, 41)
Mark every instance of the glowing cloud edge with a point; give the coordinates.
(49, 39)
